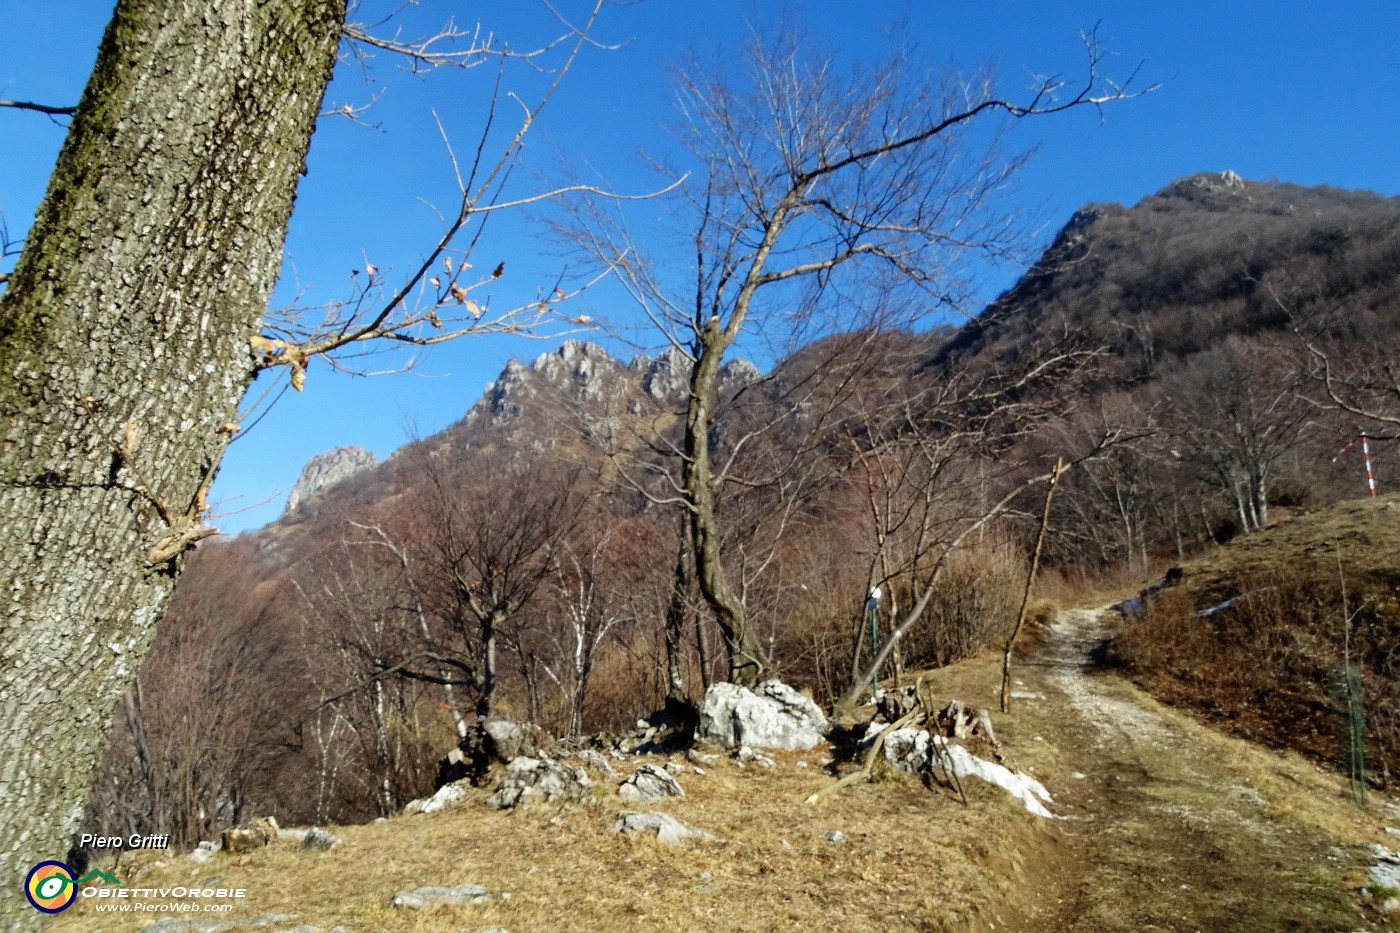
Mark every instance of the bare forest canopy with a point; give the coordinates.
(528, 561)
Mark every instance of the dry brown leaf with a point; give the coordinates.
(261, 344)
(460, 294)
(499, 271)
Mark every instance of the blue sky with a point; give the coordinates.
(1298, 91)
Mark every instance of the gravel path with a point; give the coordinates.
(1166, 826)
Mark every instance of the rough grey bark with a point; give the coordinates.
(124, 352)
(675, 625)
(698, 480)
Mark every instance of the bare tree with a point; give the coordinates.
(1120, 495)
(489, 543)
(1349, 368)
(588, 596)
(357, 608)
(813, 179)
(927, 459)
(1238, 411)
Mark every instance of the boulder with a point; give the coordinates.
(773, 715)
(650, 783)
(320, 840)
(908, 750)
(510, 740)
(668, 829)
(598, 763)
(1023, 787)
(248, 836)
(530, 780)
(445, 797)
(916, 751)
(893, 704)
(488, 744)
(204, 852)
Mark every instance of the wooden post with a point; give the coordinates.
(1026, 597)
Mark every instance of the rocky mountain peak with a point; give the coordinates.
(666, 376)
(1213, 190)
(587, 376)
(584, 367)
(326, 470)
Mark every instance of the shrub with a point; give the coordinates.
(973, 606)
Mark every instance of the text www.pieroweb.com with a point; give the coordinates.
(146, 907)
(179, 900)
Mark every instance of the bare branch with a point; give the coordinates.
(434, 303)
(39, 108)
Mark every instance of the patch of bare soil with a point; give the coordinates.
(1170, 825)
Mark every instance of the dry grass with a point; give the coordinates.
(1262, 668)
(914, 859)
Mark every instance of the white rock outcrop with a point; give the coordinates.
(446, 796)
(914, 750)
(649, 783)
(773, 715)
(668, 829)
(530, 780)
(327, 469)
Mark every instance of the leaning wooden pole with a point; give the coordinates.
(1026, 596)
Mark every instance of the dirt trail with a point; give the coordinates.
(1169, 824)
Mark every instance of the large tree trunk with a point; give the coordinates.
(698, 480)
(123, 353)
(675, 626)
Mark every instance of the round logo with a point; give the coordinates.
(49, 887)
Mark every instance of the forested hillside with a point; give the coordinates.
(528, 561)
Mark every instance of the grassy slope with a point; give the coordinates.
(1265, 667)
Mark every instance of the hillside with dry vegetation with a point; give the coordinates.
(1259, 635)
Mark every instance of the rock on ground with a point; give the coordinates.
(649, 783)
(320, 840)
(913, 750)
(598, 763)
(668, 829)
(773, 715)
(743, 755)
(251, 835)
(529, 780)
(204, 852)
(445, 797)
(432, 895)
